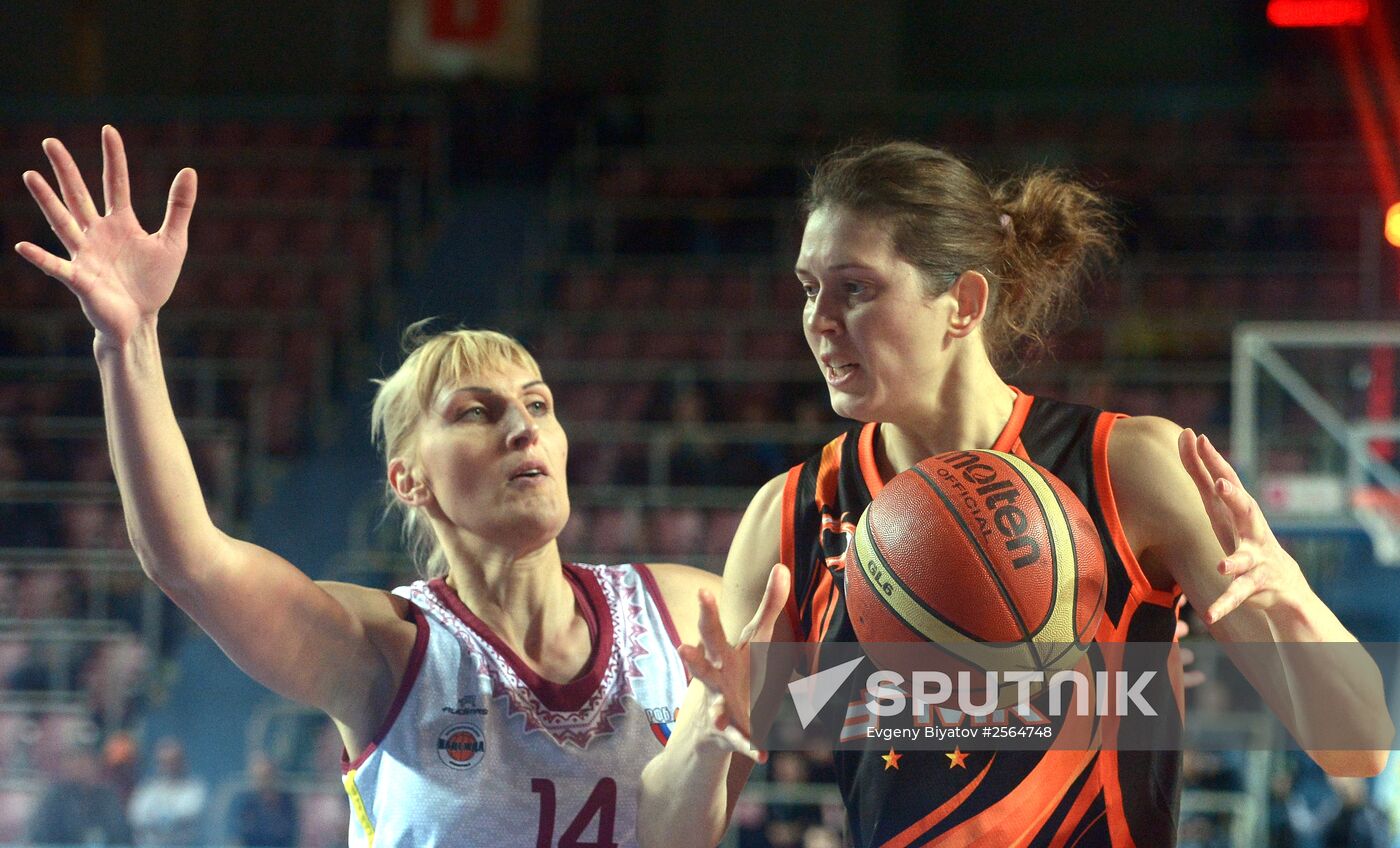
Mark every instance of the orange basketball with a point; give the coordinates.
(975, 547)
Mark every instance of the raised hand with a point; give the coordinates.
(1261, 571)
(724, 668)
(121, 274)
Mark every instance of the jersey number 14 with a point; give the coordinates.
(601, 804)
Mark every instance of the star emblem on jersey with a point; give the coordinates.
(956, 758)
(891, 760)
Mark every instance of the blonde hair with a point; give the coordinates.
(433, 361)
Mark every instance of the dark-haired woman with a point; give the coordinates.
(921, 277)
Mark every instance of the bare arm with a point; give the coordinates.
(1228, 563)
(287, 632)
(688, 791)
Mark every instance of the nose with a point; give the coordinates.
(521, 429)
(822, 315)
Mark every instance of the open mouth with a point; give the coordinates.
(835, 373)
(529, 471)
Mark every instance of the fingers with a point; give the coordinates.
(730, 736)
(116, 185)
(1244, 510)
(60, 221)
(70, 182)
(1216, 462)
(180, 206)
(712, 630)
(1239, 591)
(1186, 446)
(1182, 630)
(775, 596)
(59, 269)
(1237, 563)
(700, 666)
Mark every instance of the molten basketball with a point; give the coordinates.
(986, 554)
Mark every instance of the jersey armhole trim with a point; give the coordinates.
(654, 589)
(410, 677)
(1104, 485)
(787, 550)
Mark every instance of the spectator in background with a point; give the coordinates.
(265, 814)
(168, 808)
(79, 808)
(1359, 823)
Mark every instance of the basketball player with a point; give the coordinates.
(509, 699)
(920, 278)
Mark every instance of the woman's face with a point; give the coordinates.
(492, 455)
(875, 333)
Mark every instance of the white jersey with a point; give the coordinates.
(478, 749)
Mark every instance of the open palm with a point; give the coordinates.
(121, 274)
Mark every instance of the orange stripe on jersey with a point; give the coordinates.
(1104, 485)
(829, 472)
(1081, 805)
(788, 551)
(823, 606)
(1009, 441)
(865, 454)
(923, 825)
(1017, 818)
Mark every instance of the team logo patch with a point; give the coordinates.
(461, 746)
(662, 718)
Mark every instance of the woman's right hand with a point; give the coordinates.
(121, 274)
(724, 668)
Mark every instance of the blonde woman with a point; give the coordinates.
(510, 698)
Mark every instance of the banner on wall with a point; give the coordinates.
(457, 38)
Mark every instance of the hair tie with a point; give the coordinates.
(1005, 220)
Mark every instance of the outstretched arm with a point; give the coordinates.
(280, 627)
(1191, 519)
(688, 791)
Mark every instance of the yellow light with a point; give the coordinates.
(1392, 224)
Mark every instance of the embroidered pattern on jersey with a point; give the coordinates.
(596, 717)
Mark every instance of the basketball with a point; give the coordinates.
(984, 553)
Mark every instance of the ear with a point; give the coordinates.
(969, 291)
(407, 485)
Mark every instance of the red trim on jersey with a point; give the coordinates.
(788, 550)
(1092, 785)
(559, 697)
(649, 581)
(410, 677)
(1007, 441)
(865, 453)
(1103, 483)
(1017, 818)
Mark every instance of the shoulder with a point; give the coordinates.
(386, 618)
(1141, 444)
(368, 604)
(680, 587)
(1156, 498)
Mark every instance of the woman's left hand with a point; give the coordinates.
(1261, 572)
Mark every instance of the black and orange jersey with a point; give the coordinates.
(1004, 797)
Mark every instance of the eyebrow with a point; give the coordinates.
(844, 266)
(487, 390)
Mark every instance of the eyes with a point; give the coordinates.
(493, 409)
(850, 289)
